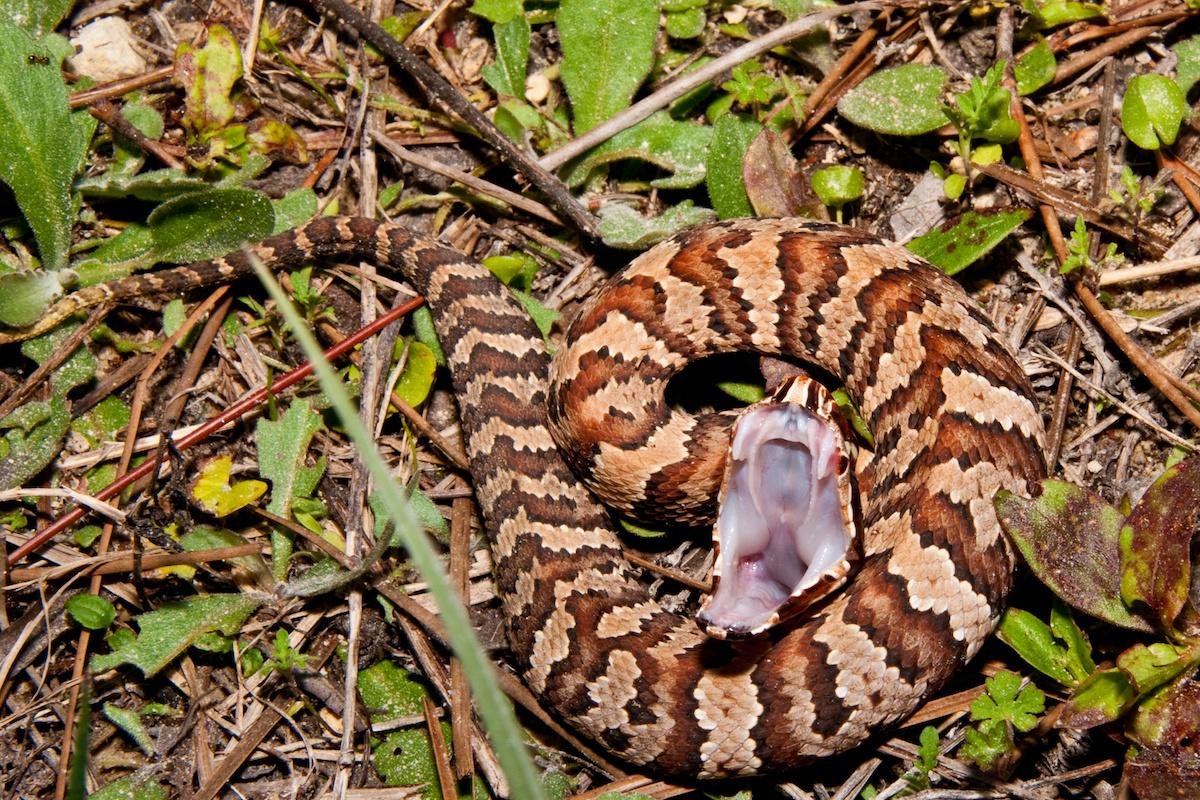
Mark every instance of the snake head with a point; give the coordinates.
(786, 533)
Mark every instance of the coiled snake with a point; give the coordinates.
(953, 417)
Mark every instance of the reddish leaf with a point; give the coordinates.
(1168, 728)
(772, 176)
(1070, 539)
(1156, 544)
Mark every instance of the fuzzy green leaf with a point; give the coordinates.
(91, 612)
(130, 722)
(507, 75)
(172, 628)
(608, 49)
(624, 228)
(962, 241)
(389, 691)
(282, 451)
(838, 184)
(732, 135)
(42, 143)
(209, 224)
(1187, 71)
(25, 296)
(678, 147)
(38, 17)
(901, 101)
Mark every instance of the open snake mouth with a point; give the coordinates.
(785, 534)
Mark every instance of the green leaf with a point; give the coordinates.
(130, 722)
(91, 612)
(1187, 71)
(294, 208)
(507, 75)
(515, 270)
(127, 156)
(213, 491)
(1167, 726)
(41, 143)
(1052, 13)
(1035, 68)
(732, 134)
(1070, 539)
(424, 332)
(1007, 701)
(405, 758)
(38, 17)
(25, 296)
(986, 744)
(678, 147)
(1100, 699)
(1156, 543)
(137, 786)
(902, 101)
(34, 433)
(750, 86)
(389, 691)
(543, 316)
(207, 75)
(428, 514)
(154, 186)
(78, 766)
(1149, 666)
(984, 110)
(172, 628)
(686, 24)
(743, 392)
(282, 450)
(608, 49)
(962, 241)
(626, 229)
(1152, 110)
(208, 537)
(498, 11)
(416, 379)
(1034, 642)
(209, 224)
(838, 184)
(101, 422)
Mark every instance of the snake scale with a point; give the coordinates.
(953, 416)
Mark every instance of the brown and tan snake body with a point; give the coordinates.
(953, 418)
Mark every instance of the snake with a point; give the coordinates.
(953, 418)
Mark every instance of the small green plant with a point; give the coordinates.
(838, 185)
(1009, 704)
(1152, 110)
(1131, 568)
(1135, 198)
(1078, 255)
(980, 113)
(751, 87)
(284, 657)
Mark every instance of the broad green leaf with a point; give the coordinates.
(608, 49)
(34, 433)
(41, 144)
(1187, 71)
(1156, 543)
(1052, 13)
(25, 296)
(515, 270)
(138, 786)
(507, 75)
(1035, 69)
(282, 455)
(962, 241)
(38, 17)
(209, 224)
(389, 691)
(542, 315)
(79, 368)
(214, 492)
(498, 11)
(91, 612)
(294, 208)
(166, 632)
(128, 158)
(1006, 700)
(131, 722)
(732, 134)
(626, 229)
(1152, 110)
(678, 147)
(416, 379)
(209, 537)
(901, 101)
(687, 23)
(155, 185)
(405, 758)
(1100, 699)
(1070, 539)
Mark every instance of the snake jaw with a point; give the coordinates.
(786, 533)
